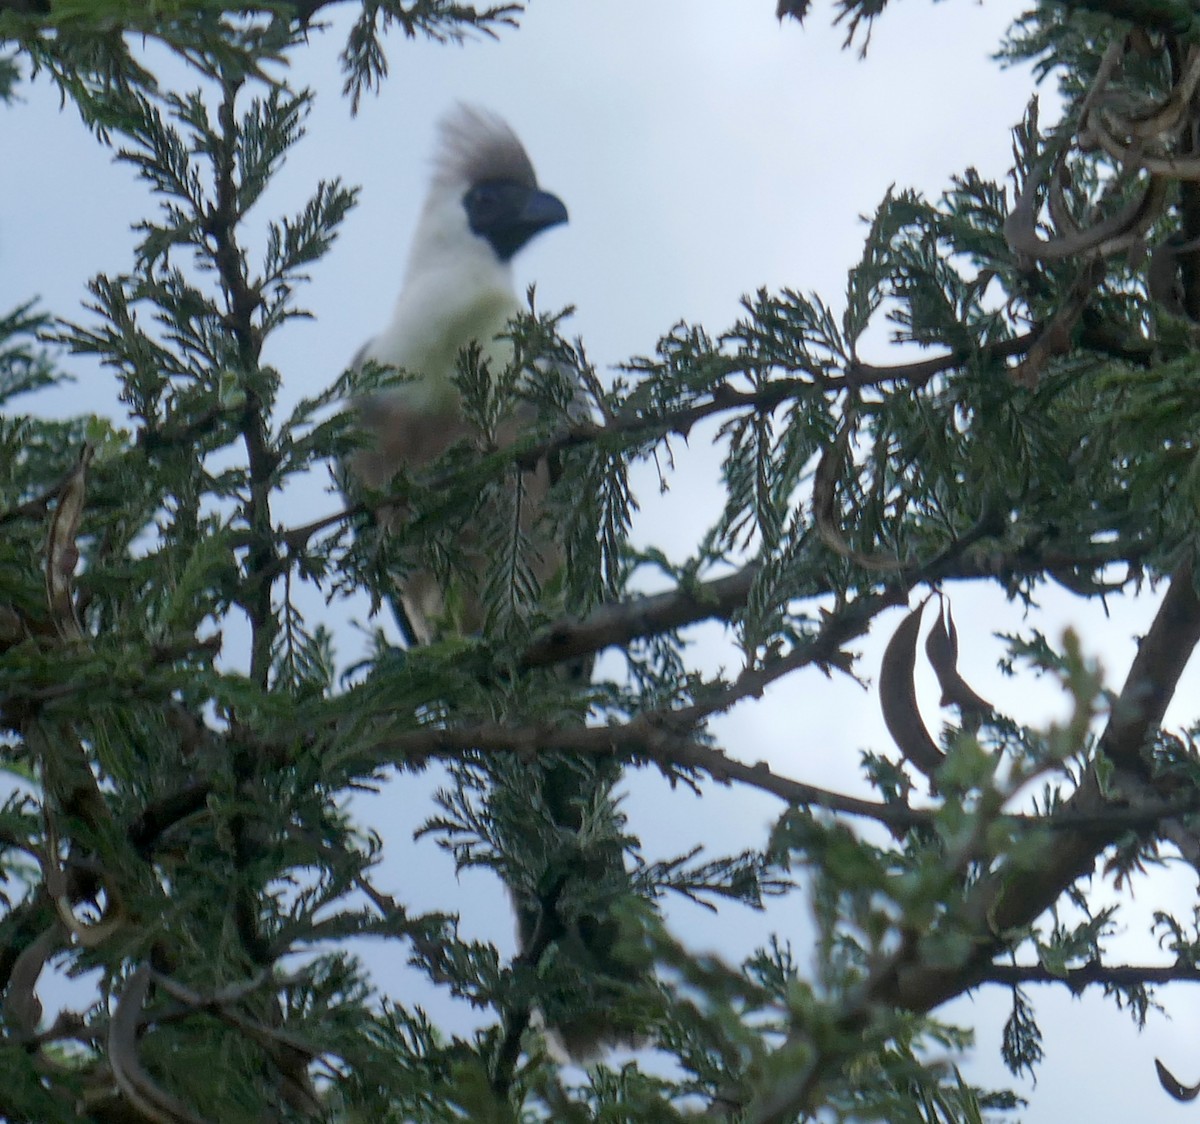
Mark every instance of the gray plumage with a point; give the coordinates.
(476, 146)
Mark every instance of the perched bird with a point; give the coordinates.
(484, 205)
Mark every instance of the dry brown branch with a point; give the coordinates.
(1093, 974)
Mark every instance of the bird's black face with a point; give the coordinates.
(509, 214)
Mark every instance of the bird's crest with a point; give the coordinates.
(476, 146)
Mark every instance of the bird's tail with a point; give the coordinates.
(580, 916)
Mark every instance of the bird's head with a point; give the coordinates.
(484, 186)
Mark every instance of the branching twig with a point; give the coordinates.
(243, 302)
(624, 425)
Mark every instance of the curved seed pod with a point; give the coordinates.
(1110, 235)
(62, 555)
(22, 1008)
(1170, 115)
(824, 500)
(1173, 1085)
(941, 646)
(89, 934)
(898, 696)
(1131, 156)
(153, 1102)
(1118, 231)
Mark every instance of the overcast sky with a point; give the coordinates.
(704, 151)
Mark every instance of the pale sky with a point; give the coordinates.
(704, 151)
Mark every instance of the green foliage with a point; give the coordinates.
(363, 59)
(25, 366)
(10, 74)
(185, 747)
(1022, 1044)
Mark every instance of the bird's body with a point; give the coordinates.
(484, 204)
(419, 421)
(562, 846)
(455, 289)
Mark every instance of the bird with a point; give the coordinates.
(484, 205)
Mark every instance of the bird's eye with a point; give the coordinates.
(484, 202)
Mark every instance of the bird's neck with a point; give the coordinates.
(439, 313)
(444, 243)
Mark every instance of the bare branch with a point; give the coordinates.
(1090, 975)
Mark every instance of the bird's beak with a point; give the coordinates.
(541, 210)
(509, 214)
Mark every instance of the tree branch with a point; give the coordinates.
(648, 736)
(617, 623)
(1088, 975)
(1008, 899)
